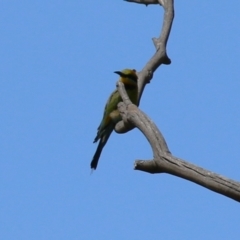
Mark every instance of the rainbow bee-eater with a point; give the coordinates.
(111, 115)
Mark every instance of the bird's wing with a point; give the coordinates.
(110, 106)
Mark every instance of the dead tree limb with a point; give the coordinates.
(159, 57)
(163, 161)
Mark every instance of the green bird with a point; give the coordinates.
(111, 115)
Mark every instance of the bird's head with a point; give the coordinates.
(128, 76)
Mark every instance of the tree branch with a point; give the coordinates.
(146, 2)
(160, 56)
(163, 161)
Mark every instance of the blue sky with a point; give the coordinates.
(57, 60)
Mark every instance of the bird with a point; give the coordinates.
(111, 115)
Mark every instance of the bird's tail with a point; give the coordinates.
(101, 144)
(96, 156)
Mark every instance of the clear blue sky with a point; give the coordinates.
(57, 60)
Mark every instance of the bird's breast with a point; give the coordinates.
(132, 94)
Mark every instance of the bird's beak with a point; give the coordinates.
(119, 73)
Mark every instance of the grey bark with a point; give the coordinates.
(163, 161)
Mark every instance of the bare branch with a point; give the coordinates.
(160, 56)
(164, 161)
(180, 168)
(146, 2)
(141, 121)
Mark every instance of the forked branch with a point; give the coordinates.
(163, 161)
(159, 57)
